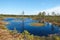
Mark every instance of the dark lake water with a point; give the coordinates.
(35, 30)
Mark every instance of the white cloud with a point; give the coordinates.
(50, 10)
(35, 12)
(55, 9)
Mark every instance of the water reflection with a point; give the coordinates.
(49, 28)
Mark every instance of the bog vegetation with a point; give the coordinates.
(6, 34)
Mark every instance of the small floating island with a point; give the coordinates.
(37, 24)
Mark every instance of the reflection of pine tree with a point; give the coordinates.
(52, 28)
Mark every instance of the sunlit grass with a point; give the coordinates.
(37, 24)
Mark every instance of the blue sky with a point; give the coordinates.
(30, 7)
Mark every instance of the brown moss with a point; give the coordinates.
(37, 24)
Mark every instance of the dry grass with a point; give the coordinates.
(37, 24)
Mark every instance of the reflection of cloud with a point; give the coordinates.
(55, 9)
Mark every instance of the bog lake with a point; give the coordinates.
(21, 25)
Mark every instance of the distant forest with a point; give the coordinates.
(40, 14)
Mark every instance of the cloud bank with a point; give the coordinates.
(55, 9)
(50, 10)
